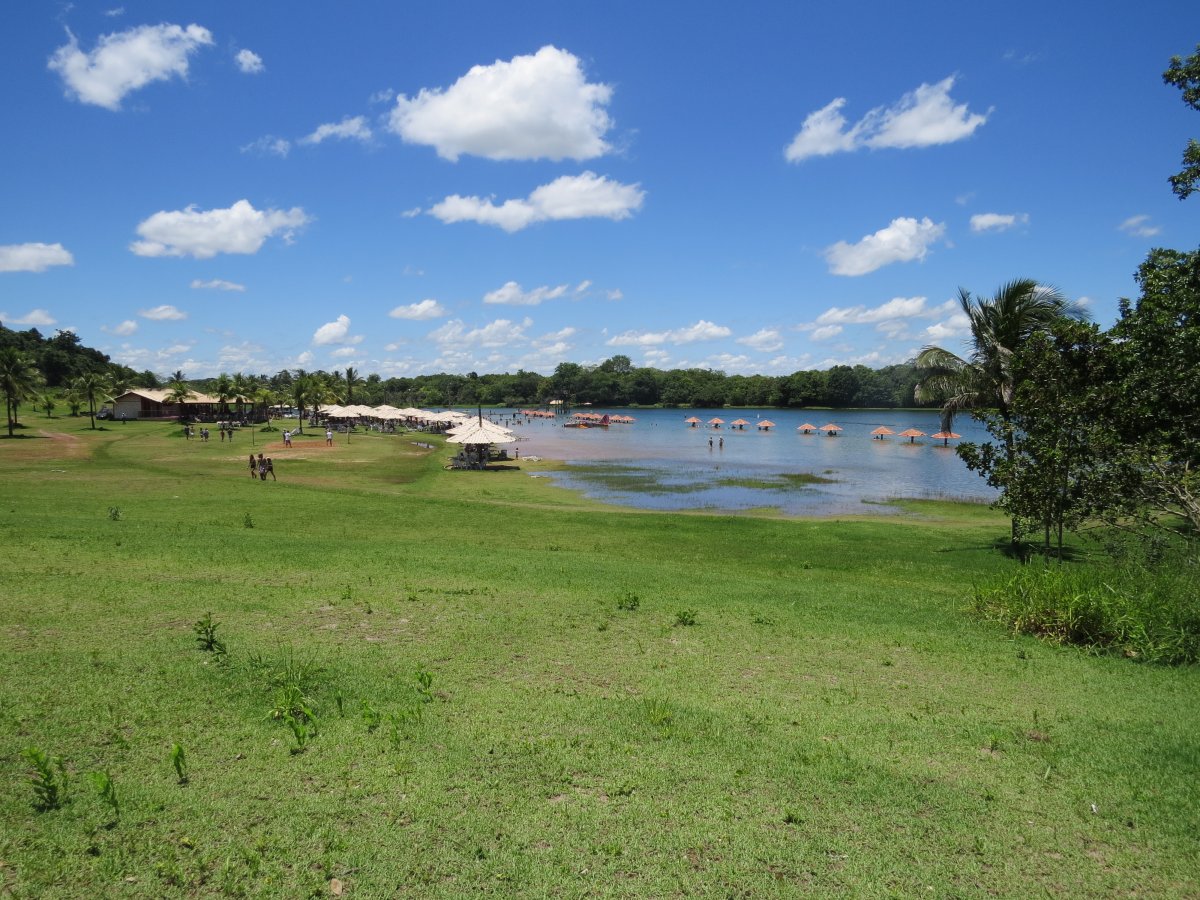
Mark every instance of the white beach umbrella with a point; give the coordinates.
(474, 433)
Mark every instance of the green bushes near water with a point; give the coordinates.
(1150, 614)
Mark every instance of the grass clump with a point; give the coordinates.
(49, 779)
(1141, 613)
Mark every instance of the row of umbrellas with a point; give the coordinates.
(831, 429)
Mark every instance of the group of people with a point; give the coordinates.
(262, 467)
(189, 433)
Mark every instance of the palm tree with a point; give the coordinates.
(242, 387)
(47, 402)
(351, 381)
(178, 393)
(301, 395)
(18, 380)
(223, 391)
(999, 325)
(92, 388)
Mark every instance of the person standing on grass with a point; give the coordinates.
(270, 470)
(253, 466)
(222, 429)
(328, 437)
(287, 438)
(262, 467)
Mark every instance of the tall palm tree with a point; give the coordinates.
(93, 388)
(223, 391)
(301, 392)
(999, 325)
(19, 377)
(351, 380)
(177, 394)
(242, 388)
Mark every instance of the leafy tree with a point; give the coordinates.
(93, 388)
(999, 325)
(242, 388)
(46, 401)
(178, 393)
(223, 390)
(1185, 75)
(1155, 411)
(18, 380)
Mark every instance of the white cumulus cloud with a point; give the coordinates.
(269, 145)
(904, 240)
(335, 332)
(424, 309)
(1139, 226)
(216, 284)
(499, 333)
(127, 60)
(766, 340)
(36, 318)
(981, 222)
(349, 128)
(921, 118)
(34, 257)
(702, 331)
(164, 313)
(511, 294)
(896, 308)
(124, 329)
(249, 62)
(582, 196)
(204, 233)
(530, 107)
(825, 332)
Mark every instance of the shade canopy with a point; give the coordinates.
(882, 430)
(474, 433)
(912, 434)
(806, 428)
(945, 437)
(765, 424)
(831, 428)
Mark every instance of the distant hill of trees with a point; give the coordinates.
(62, 358)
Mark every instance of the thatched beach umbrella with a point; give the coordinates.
(765, 425)
(912, 434)
(881, 431)
(831, 430)
(715, 422)
(946, 437)
(806, 428)
(692, 421)
(740, 424)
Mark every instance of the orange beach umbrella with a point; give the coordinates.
(881, 431)
(692, 420)
(831, 430)
(765, 425)
(715, 422)
(912, 434)
(740, 423)
(945, 437)
(806, 428)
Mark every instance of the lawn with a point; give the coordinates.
(448, 684)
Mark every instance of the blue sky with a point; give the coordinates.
(415, 188)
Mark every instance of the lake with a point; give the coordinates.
(659, 462)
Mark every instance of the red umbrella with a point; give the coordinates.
(945, 437)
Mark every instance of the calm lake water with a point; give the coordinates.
(659, 462)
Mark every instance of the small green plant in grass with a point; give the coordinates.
(347, 593)
(424, 686)
(115, 514)
(247, 521)
(179, 761)
(629, 602)
(206, 635)
(303, 729)
(49, 779)
(371, 716)
(760, 619)
(658, 713)
(685, 617)
(103, 783)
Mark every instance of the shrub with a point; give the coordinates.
(1142, 613)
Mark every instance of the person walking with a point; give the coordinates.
(270, 470)
(222, 434)
(253, 466)
(262, 468)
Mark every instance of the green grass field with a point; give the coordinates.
(505, 699)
